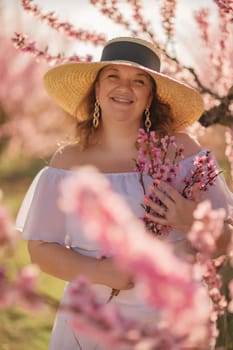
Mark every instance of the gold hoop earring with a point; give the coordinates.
(96, 115)
(147, 120)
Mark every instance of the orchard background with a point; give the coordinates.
(196, 43)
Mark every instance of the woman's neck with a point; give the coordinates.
(118, 140)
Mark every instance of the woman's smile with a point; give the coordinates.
(122, 100)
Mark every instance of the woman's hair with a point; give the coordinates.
(160, 116)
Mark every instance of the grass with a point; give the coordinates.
(24, 331)
(20, 331)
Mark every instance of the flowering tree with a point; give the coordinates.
(216, 48)
(214, 36)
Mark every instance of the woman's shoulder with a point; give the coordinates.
(66, 157)
(190, 144)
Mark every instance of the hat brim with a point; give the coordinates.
(69, 84)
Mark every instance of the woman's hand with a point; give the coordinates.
(113, 277)
(177, 211)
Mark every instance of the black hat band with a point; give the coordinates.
(133, 52)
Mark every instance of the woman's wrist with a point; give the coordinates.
(101, 271)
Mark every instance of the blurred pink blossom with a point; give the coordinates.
(25, 289)
(206, 229)
(22, 289)
(113, 225)
(91, 315)
(204, 233)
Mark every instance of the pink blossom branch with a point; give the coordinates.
(145, 27)
(202, 19)
(216, 55)
(111, 11)
(168, 11)
(22, 43)
(204, 233)
(67, 28)
(152, 160)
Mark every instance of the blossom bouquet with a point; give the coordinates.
(160, 159)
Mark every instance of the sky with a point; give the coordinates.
(84, 15)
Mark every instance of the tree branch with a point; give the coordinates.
(220, 114)
(67, 28)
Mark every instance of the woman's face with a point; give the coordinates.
(123, 92)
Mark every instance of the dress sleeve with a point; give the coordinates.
(219, 194)
(39, 217)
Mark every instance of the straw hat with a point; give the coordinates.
(68, 84)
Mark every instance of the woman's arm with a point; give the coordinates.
(66, 264)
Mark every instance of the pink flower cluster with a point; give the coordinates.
(159, 158)
(206, 228)
(154, 160)
(168, 14)
(202, 19)
(203, 173)
(226, 6)
(109, 221)
(22, 290)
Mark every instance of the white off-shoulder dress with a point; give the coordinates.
(39, 218)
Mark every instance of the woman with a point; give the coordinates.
(111, 100)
